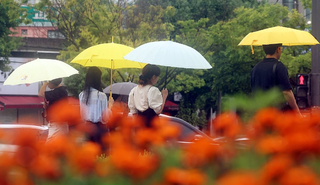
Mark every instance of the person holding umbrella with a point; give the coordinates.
(270, 73)
(57, 93)
(146, 100)
(94, 105)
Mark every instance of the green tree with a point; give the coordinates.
(11, 15)
(307, 3)
(87, 23)
(231, 63)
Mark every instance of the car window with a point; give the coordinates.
(186, 133)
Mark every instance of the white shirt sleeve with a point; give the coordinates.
(132, 107)
(155, 99)
(82, 107)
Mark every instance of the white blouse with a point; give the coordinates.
(143, 97)
(96, 108)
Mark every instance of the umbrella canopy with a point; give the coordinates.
(278, 34)
(121, 88)
(170, 54)
(39, 70)
(109, 55)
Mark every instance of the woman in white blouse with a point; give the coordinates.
(146, 100)
(94, 105)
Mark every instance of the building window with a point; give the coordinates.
(54, 34)
(24, 32)
(291, 4)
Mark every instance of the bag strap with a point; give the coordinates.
(274, 73)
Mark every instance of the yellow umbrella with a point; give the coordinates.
(277, 35)
(109, 55)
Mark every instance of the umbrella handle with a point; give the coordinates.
(111, 79)
(165, 83)
(110, 103)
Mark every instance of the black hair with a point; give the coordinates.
(147, 73)
(271, 48)
(93, 79)
(56, 81)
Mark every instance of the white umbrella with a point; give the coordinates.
(170, 54)
(39, 70)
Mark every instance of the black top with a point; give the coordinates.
(262, 76)
(56, 94)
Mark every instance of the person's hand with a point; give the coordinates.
(164, 93)
(111, 102)
(45, 104)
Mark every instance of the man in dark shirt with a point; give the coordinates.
(270, 72)
(57, 93)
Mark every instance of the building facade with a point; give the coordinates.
(294, 4)
(20, 103)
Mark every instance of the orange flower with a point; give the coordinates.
(298, 176)
(46, 167)
(313, 119)
(158, 135)
(129, 161)
(174, 176)
(7, 162)
(28, 148)
(19, 176)
(145, 138)
(201, 152)
(114, 139)
(166, 129)
(238, 177)
(305, 140)
(264, 119)
(271, 144)
(288, 121)
(116, 117)
(227, 124)
(64, 112)
(102, 168)
(275, 168)
(84, 157)
(60, 145)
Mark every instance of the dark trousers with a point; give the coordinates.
(97, 133)
(148, 115)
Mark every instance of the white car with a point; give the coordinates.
(8, 133)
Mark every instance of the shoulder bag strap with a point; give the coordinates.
(274, 73)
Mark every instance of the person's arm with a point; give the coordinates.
(131, 105)
(288, 95)
(43, 89)
(164, 93)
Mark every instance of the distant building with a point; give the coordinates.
(294, 4)
(41, 40)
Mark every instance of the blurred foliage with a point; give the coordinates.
(272, 148)
(307, 3)
(11, 15)
(247, 105)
